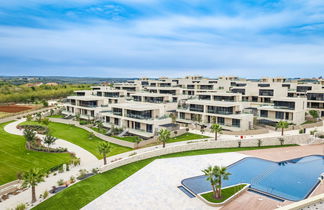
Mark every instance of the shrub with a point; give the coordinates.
(60, 182)
(259, 142)
(95, 171)
(61, 169)
(91, 135)
(83, 173)
(301, 131)
(239, 144)
(72, 179)
(21, 206)
(187, 129)
(45, 194)
(83, 122)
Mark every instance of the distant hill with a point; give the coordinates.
(19, 80)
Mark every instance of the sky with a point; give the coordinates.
(153, 38)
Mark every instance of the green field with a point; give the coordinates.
(186, 137)
(226, 193)
(80, 194)
(81, 138)
(14, 157)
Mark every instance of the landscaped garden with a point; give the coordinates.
(15, 158)
(80, 137)
(80, 194)
(127, 138)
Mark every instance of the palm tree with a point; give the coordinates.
(49, 140)
(104, 149)
(211, 173)
(30, 136)
(31, 179)
(99, 125)
(164, 136)
(222, 175)
(38, 117)
(282, 125)
(216, 128)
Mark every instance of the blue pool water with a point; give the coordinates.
(291, 180)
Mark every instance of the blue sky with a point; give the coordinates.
(134, 38)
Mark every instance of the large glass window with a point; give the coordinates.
(117, 111)
(264, 113)
(139, 114)
(219, 110)
(315, 96)
(303, 88)
(284, 105)
(236, 123)
(196, 108)
(280, 115)
(263, 92)
(221, 120)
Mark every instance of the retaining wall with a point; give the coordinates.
(206, 144)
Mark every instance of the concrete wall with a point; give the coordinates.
(296, 139)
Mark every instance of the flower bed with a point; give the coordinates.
(38, 128)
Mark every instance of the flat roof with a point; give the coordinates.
(137, 106)
(214, 103)
(86, 98)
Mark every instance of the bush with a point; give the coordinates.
(45, 194)
(60, 182)
(38, 128)
(72, 179)
(21, 206)
(61, 169)
(83, 122)
(301, 131)
(83, 173)
(95, 171)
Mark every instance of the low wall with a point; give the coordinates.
(206, 144)
(9, 187)
(99, 135)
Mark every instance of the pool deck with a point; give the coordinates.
(155, 186)
(250, 200)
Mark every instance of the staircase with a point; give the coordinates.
(123, 133)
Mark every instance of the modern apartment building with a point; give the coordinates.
(287, 109)
(137, 118)
(142, 106)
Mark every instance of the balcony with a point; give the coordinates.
(141, 117)
(196, 109)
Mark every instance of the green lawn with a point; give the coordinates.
(14, 157)
(56, 116)
(126, 138)
(81, 138)
(80, 194)
(186, 137)
(226, 193)
(102, 131)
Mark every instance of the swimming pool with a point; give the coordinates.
(290, 180)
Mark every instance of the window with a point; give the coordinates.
(149, 128)
(221, 120)
(264, 113)
(280, 115)
(182, 115)
(196, 108)
(236, 123)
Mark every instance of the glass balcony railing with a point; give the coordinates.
(135, 116)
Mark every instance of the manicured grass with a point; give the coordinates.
(126, 138)
(186, 137)
(14, 157)
(80, 194)
(102, 131)
(81, 138)
(56, 116)
(226, 193)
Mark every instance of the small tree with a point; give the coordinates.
(52, 112)
(31, 179)
(137, 140)
(45, 121)
(282, 125)
(99, 125)
(173, 116)
(239, 143)
(164, 136)
(216, 128)
(314, 114)
(39, 117)
(30, 136)
(29, 117)
(259, 142)
(222, 174)
(104, 148)
(49, 140)
(45, 103)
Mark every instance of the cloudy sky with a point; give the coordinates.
(133, 38)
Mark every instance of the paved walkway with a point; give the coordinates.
(155, 186)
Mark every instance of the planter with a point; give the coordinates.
(228, 199)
